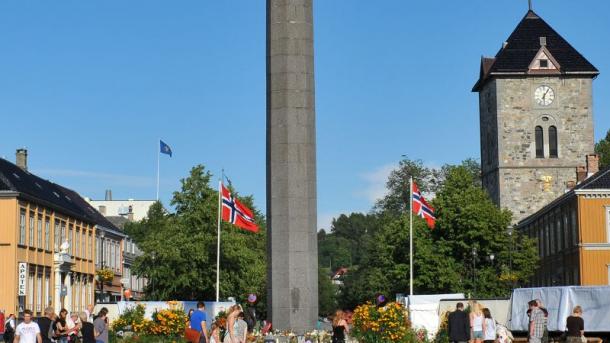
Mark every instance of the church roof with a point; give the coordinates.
(18, 182)
(599, 180)
(522, 46)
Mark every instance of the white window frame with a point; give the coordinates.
(71, 239)
(47, 233)
(39, 292)
(31, 226)
(47, 284)
(22, 227)
(608, 225)
(30, 296)
(39, 232)
(77, 242)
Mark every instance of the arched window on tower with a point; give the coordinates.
(539, 142)
(553, 142)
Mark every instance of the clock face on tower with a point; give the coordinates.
(544, 95)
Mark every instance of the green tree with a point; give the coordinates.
(396, 201)
(327, 293)
(467, 221)
(472, 229)
(179, 249)
(602, 148)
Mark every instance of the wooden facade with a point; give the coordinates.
(573, 238)
(594, 223)
(32, 233)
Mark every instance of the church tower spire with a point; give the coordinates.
(536, 118)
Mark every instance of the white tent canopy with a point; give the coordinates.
(423, 310)
(559, 301)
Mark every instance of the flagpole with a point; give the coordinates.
(411, 235)
(158, 159)
(218, 241)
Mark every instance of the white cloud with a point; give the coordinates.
(116, 179)
(375, 188)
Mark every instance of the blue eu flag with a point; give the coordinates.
(165, 149)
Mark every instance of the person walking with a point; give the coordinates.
(188, 318)
(476, 322)
(9, 328)
(47, 325)
(231, 334)
(74, 325)
(340, 327)
(199, 322)
(458, 325)
(28, 331)
(61, 326)
(575, 326)
(215, 333)
(100, 326)
(537, 323)
(87, 330)
(241, 328)
(89, 312)
(545, 336)
(489, 327)
(2, 321)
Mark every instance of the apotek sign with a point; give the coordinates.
(23, 273)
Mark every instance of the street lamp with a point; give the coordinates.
(510, 251)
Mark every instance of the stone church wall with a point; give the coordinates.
(512, 175)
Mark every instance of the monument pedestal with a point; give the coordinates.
(62, 267)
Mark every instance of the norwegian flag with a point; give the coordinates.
(421, 207)
(234, 212)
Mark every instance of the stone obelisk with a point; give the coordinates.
(291, 167)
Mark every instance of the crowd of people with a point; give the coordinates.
(479, 326)
(78, 327)
(236, 326)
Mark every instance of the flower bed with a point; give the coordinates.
(166, 325)
(389, 323)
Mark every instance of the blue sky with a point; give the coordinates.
(90, 86)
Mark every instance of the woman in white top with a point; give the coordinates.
(476, 322)
(215, 334)
(489, 327)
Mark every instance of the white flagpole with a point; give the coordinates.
(218, 241)
(158, 158)
(411, 236)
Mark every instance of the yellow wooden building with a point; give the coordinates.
(46, 243)
(573, 235)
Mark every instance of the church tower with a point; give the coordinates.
(536, 117)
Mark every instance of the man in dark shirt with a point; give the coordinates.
(46, 325)
(458, 325)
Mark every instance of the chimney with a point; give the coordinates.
(130, 216)
(21, 158)
(102, 209)
(108, 196)
(592, 164)
(581, 174)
